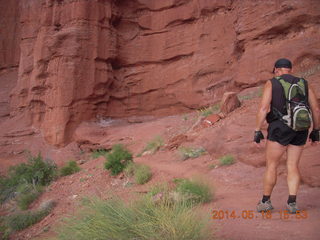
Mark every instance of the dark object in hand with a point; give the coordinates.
(314, 135)
(258, 136)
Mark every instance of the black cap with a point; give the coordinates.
(282, 63)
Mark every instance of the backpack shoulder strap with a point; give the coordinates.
(285, 85)
(306, 89)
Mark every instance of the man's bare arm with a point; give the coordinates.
(314, 109)
(264, 105)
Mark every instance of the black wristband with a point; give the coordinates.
(315, 135)
(258, 136)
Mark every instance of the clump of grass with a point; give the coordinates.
(20, 221)
(226, 160)
(195, 191)
(27, 194)
(99, 152)
(36, 171)
(154, 145)
(117, 159)
(209, 110)
(159, 188)
(143, 220)
(141, 173)
(130, 169)
(187, 152)
(70, 168)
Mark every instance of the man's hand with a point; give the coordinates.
(314, 136)
(258, 136)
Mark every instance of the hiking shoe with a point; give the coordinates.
(263, 207)
(292, 208)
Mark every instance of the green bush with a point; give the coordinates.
(35, 172)
(26, 194)
(226, 160)
(154, 145)
(187, 152)
(20, 221)
(7, 189)
(143, 220)
(194, 191)
(99, 152)
(117, 159)
(71, 168)
(141, 173)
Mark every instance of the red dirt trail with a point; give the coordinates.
(237, 187)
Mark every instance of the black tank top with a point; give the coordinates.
(278, 98)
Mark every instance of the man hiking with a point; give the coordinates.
(290, 107)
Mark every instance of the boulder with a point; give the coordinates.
(229, 102)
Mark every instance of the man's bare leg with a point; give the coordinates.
(293, 158)
(274, 151)
(293, 179)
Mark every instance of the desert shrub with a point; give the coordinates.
(187, 152)
(22, 220)
(141, 173)
(117, 159)
(70, 168)
(143, 220)
(194, 191)
(26, 194)
(154, 145)
(7, 189)
(35, 172)
(226, 160)
(99, 152)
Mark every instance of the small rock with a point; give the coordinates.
(49, 204)
(121, 175)
(176, 141)
(158, 197)
(210, 120)
(146, 153)
(82, 161)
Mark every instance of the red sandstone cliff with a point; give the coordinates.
(66, 61)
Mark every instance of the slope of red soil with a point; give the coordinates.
(238, 187)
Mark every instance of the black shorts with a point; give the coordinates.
(281, 133)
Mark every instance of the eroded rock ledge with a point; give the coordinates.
(79, 59)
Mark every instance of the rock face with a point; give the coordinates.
(81, 59)
(9, 52)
